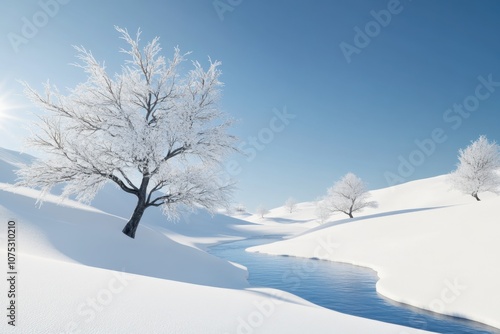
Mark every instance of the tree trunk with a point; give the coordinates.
(141, 206)
(350, 215)
(133, 223)
(475, 196)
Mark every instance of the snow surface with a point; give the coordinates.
(432, 247)
(79, 274)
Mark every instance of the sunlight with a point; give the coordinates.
(8, 111)
(5, 107)
(7, 102)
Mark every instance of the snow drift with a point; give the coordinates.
(79, 274)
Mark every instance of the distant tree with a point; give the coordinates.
(322, 212)
(477, 170)
(290, 204)
(262, 211)
(240, 208)
(348, 195)
(155, 132)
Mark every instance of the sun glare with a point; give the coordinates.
(4, 111)
(8, 109)
(3, 106)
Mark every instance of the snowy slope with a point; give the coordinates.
(79, 274)
(94, 239)
(432, 247)
(9, 160)
(415, 195)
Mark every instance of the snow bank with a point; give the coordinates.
(79, 274)
(60, 297)
(432, 248)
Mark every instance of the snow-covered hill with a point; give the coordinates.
(10, 160)
(431, 246)
(77, 273)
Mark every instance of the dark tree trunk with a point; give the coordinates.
(475, 196)
(350, 210)
(141, 206)
(133, 223)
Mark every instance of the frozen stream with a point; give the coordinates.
(341, 287)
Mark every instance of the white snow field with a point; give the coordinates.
(78, 273)
(432, 247)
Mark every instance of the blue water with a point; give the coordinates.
(341, 287)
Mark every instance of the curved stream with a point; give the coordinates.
(341, 287)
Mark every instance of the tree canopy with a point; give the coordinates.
(153, 130)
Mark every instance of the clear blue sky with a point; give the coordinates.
(359, 100)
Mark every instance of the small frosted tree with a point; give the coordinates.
(477, 169)
(262, 211)
(321, 212)
(154, 131)
(348, 195)
(290, 204)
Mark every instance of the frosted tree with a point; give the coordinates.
(348, 195)
(477, 170)
(290, 204)
(153, 130)
(321, 212)
(262, 211)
